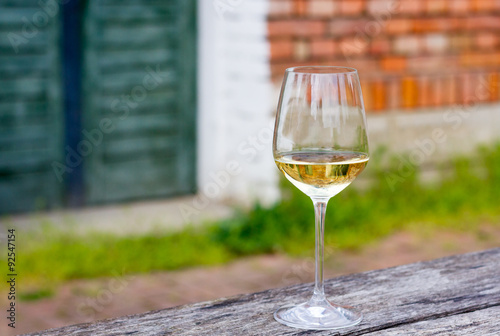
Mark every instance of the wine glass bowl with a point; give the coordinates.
(321, 173)
(320, 145)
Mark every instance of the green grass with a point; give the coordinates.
(36, 294)
(467, 194)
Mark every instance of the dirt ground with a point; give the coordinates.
(88, 300)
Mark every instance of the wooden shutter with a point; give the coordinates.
(148, 150)
(30, 107)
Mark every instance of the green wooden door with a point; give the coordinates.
(139, 94)
(30, 107)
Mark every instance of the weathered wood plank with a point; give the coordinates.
(120, 14)
(111, 62)
(133, 3)
(127, 43)
(446, 293)
(19, 3)
(482, 322)
(31, 190)
(20, 88)
(36, 46)
(24, 66)
(14, 17)
(134, 149)
(130, 38)
(124, 82)
(159, 124)
(30, 108)
(21, 162)
(157, 103)
(15, 135)
(21, 114)
(153, 176)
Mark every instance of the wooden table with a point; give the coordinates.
(458, 295)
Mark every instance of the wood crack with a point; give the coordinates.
(410, 321)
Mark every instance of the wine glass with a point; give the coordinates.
(320, 145)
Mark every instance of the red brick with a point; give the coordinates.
(380, 46)
(280, 8)
(278, 68)
(474, 60)
(342, 27)
(322, 8)
(436, 43)
(299, 7)
(432, 63)
(482, 91)
(323, 48)
(301, 28)
(494, 85)
(329, 62)
(409, 92)
(351, 7)
(450, 94)
(364, 65)
(393, 64)
(281, 49)
(484, 5)
(466, 89)
(301, 50)
(436, 25)
(407, 45)
(350, 46)
(379, 95)
(461, 24)
(486, 40)
(366, 89)
(481, 60)
(382, 7)
(394, 94)
(482, 22)
(461, 42)
(424, 91)
(493, 59)
(437, 91)
(399, 26)
(454, 24)
(411, 7)
(436, 6)
(459, 6)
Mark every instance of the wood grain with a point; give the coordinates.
(458, 295)
(31, 118)
(151, 149)
(482, 322)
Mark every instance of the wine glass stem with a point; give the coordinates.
(319, 211)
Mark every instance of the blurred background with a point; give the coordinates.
(135, 145)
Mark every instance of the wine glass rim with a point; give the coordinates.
(322, 70)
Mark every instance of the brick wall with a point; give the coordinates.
(410, 53)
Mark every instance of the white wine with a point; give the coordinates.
(321, 173)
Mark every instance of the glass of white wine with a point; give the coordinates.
(320, 145)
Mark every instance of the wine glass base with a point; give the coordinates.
(317, 316)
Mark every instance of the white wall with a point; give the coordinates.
(236, 106)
